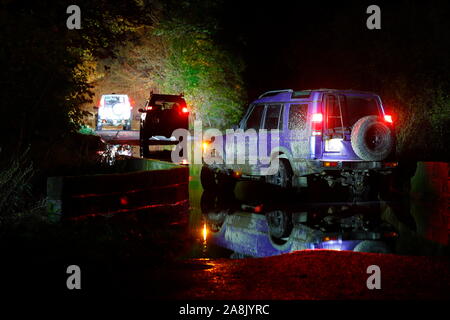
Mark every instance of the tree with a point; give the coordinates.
(179, 54)
(46, 66)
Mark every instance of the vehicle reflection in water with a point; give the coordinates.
(278, 230)
(249, 224)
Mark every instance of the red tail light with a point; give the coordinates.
(388, 118)
(148, 108)
(317, 120)
(184, 110)
(330, 164)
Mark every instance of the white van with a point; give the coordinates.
(114, 111)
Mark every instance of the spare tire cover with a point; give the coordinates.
(119, 109)
(372, 139)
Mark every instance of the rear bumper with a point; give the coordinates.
(356, 165)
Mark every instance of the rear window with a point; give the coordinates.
(164, 105)
(357, 107)
(112, 100)
(297, 116)
(353, 109)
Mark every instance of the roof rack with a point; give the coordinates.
(273, 92)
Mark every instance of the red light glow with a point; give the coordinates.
(184, 110)
(388, 118)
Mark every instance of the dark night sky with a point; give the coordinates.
(299, 44)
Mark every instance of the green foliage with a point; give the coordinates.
(86, 130)
(424, 122)
(208, 73)
(180, 54)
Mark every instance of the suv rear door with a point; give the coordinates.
(342, 111)
(336, 134)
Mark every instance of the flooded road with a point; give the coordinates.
(260, 242)
(258, 221)
(313, 249)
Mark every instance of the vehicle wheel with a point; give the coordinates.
(372, 139)
(283, 177)
(280, 224)
(372, 247)
(208, 179)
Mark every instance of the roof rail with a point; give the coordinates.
(273, 92)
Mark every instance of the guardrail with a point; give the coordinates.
(144, 185)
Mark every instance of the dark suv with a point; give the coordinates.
(340, 137)
(162, 114)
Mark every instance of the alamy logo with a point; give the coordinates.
(74, 280)
(74, 20)
(374, 20)
(374, 281)
(232, 147)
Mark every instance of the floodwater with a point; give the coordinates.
(257, 220)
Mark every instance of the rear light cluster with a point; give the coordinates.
(388, 118)
(329, 164)
(317, 124)
(183, 110)
(390, 164)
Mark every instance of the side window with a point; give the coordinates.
(272, 116)
(254, 120)
(297, 116)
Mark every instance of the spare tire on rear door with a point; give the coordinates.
(372, 139)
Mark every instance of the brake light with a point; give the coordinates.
(148, 108)
(317, 119)
(388, 118)
(184, 110)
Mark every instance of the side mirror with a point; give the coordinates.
(141, 110)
